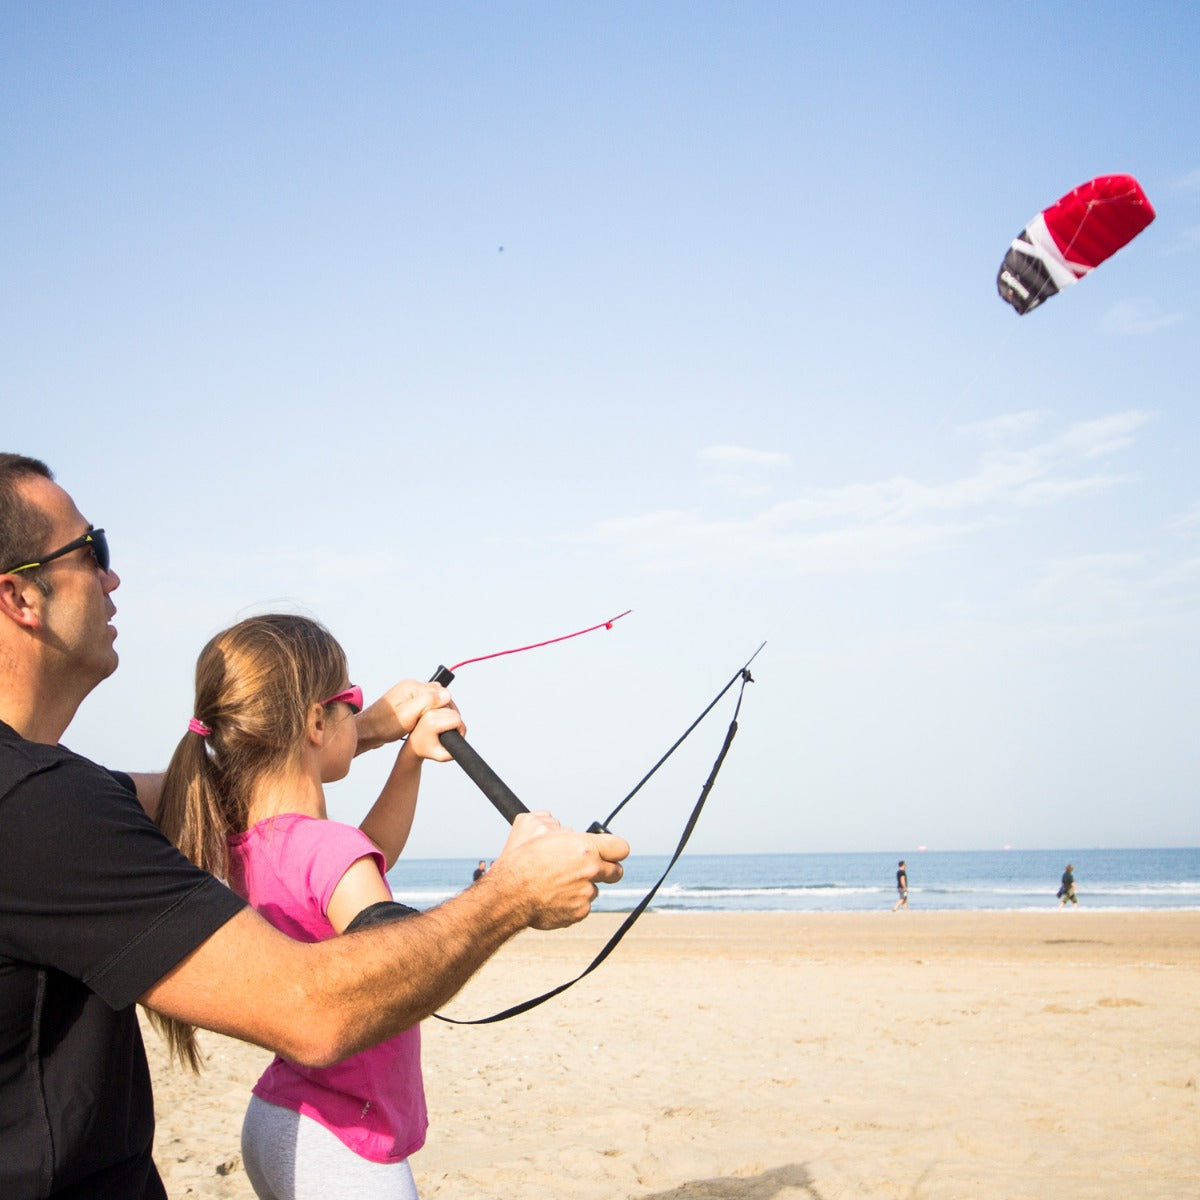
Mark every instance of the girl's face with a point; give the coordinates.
(341, 741)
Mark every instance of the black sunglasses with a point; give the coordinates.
(94, 540)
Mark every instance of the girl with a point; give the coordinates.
(243, 797)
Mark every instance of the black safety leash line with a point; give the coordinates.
(744, 674)
(504, 799)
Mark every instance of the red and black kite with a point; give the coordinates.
(1065, 241)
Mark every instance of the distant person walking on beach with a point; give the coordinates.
(243, 798)
(901, 887)
(480, 871)
(1067, 890)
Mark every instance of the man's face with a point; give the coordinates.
(76, 613)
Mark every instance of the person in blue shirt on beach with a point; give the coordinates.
(99, 911)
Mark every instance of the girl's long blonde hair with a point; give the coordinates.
(255, 683)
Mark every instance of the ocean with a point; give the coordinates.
(1014, 880)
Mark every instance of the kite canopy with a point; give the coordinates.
(1071, 237)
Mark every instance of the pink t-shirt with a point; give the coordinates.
(287, 868)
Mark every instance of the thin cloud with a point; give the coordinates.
(672, 539)
(743, 456)
(1123, 586)
(1051, 490)
(1104, 435)
(885, 523)
(741, 471)
(1008, 425)
(1189, 238)
(1189, 182)
(1188, 520)
(1138, 318)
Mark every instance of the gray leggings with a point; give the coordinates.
(290, 1157)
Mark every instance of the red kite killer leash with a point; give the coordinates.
(484, 778)
(503, 797)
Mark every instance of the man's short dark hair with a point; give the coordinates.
(24, 528)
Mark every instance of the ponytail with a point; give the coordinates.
(254, 685)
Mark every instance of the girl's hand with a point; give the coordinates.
(421, 711)
(423, 741)
(397, 712)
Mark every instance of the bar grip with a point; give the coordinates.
(484, 778)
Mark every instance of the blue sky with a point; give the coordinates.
(459, 326)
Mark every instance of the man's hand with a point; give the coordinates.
(396, 713)
(554, 871)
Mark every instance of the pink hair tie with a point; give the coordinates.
(195, 726)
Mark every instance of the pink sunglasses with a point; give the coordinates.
(352, 696)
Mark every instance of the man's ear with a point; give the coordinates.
(22, 601)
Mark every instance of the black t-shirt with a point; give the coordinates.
(95, 907)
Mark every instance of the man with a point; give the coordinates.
(1066, 890)
(901, 886)
(97, 909)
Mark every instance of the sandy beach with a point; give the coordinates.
(932, 1056)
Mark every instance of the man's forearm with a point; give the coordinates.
(316, 1003)
(436, 952)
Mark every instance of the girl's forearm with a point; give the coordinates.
(390, 820)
